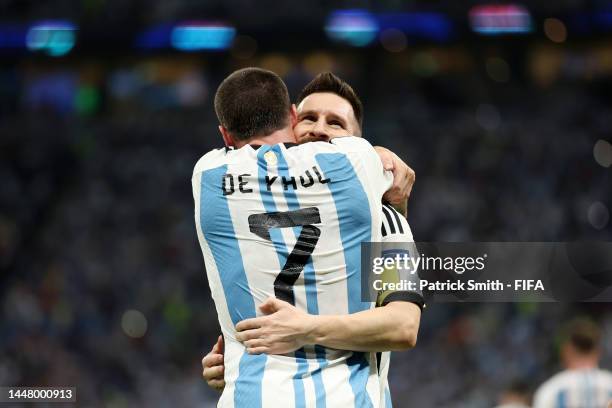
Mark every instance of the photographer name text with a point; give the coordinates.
(457, 285)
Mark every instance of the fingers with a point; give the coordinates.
(249, 335)
(403, 180)
(411, 175)
(387, 161)
(213, 369)
(248, 324)
(218, 347)
(255, 343)
(272, 305)
(268, 306)
(257, 350)
(213, 373)
(211, 360)
(407, 182)
(399, 167)
(386, 157)
(217, 384)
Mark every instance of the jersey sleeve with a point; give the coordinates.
(360, 149)
(397, 239)
(210, 160)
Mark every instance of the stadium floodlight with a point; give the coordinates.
(500, 19)
(196, 36)
(354, 27)
(55, 38)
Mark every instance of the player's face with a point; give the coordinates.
(323, 116)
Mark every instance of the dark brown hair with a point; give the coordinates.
(583, 334)
(252, 102)
(328, 82)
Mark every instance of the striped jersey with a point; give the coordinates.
(288, 221)
(587, 388)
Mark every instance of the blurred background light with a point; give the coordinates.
(191, 89)
(500, 19)
(354, 27)
(55, 38)
(598, 215)
(196, 36)
(134, 324)
(555, 30)
(602, 151)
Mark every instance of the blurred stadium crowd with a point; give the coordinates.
(102, 283)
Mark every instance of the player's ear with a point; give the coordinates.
(227, 138)
(293, 114)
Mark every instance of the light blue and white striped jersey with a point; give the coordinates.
(588, 388)
(288, 221)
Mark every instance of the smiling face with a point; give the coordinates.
(323, 116)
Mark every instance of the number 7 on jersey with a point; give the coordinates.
(260, 224)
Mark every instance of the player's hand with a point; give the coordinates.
(403, 178)
(284, 329)
(213, 368)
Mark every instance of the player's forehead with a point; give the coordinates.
(326, 103)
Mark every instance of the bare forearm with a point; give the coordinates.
(392, 327)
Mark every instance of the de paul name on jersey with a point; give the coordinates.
(230, 183)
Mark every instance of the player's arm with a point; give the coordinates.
(393, 327)
(286, 328)
(373, 330)
(395, 321)
(403, 179)
(396, 240)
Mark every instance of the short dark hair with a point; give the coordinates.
(583, 334)
(252, 102)
(328, 82)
